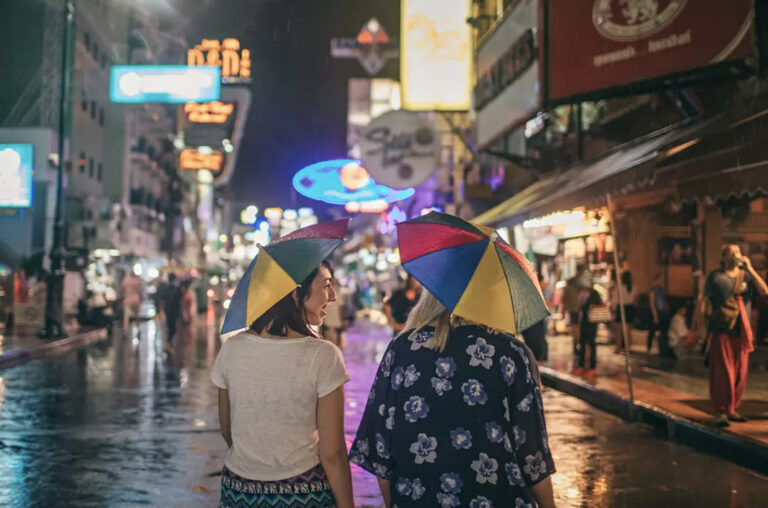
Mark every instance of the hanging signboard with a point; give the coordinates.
(164, 83)
(400, 149)
(602, 44)
(234, 61)
(192, 159)
(436, 55)
(507, 92)
(341, 181)
(16, 164)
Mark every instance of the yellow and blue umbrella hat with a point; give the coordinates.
(278, 269)
(471, 271)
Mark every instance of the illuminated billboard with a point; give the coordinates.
(193, 159)
(16, 164)
(436, 55)
(234, 61)
(343, 181)
(164, 83)
(208, 112)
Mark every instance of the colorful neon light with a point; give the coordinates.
(323, 181)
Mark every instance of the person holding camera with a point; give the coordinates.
(730, 290)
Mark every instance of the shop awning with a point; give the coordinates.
(632, 167)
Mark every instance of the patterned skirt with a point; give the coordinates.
(309, 489)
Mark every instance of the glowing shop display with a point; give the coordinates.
(164, 83)
(193, 159)
(249, 214)
(16, 164)
(343, 181)
(436, 55)
(376, 206)
(273, 213)
(555, 219)
(234, 61)
(208, 112)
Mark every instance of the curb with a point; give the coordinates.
(53, 348)
(744, 451)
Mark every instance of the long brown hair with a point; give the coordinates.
(289, 313)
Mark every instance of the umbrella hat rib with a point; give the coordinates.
(525, 293)
(446, 272)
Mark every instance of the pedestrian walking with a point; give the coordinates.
(572, 302)
(625, 289)
(455, 417)
(400, 303)
(334, 324)
(590, 319)
(172, 307)
(281, 393)
(131, 287)
(730, 290)
(660, 313)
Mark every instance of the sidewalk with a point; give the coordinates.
(24, 345)
(673, 395)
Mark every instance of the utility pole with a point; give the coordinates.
(53, 327)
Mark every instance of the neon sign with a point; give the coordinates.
(235, 62)
(192, 159)
(164, 83)
(343, 181)
(208, 112)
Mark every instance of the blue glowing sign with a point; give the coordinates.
(343, 181)
(16, 164)
(164, 83)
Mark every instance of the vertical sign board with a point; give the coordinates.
(16, 164)
(435, 55)
(507, 92)
(602, 44)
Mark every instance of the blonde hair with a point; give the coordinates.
(428, 311)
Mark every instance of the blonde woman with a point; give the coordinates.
(455, 418)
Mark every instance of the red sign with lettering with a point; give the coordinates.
(599, 44)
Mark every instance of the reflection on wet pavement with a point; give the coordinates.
(118, 424)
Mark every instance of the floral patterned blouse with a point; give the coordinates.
(462, 427)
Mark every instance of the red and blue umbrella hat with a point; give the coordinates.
(278, 269)
(472, 271)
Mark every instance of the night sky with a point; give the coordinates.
(298, 113)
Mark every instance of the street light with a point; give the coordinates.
(53, 326)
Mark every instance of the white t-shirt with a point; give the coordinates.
(273, 386)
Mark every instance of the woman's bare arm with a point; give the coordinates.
(332, 447)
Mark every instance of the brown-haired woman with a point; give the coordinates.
(281, 406)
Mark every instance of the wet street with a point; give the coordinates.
(118, 424)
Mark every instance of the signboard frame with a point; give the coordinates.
(207, 92)
(429, 101)
(26, 153)
(636, 42)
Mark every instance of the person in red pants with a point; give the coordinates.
(730, 290)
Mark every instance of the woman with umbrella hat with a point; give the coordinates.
(455, 416)
(281, 395)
